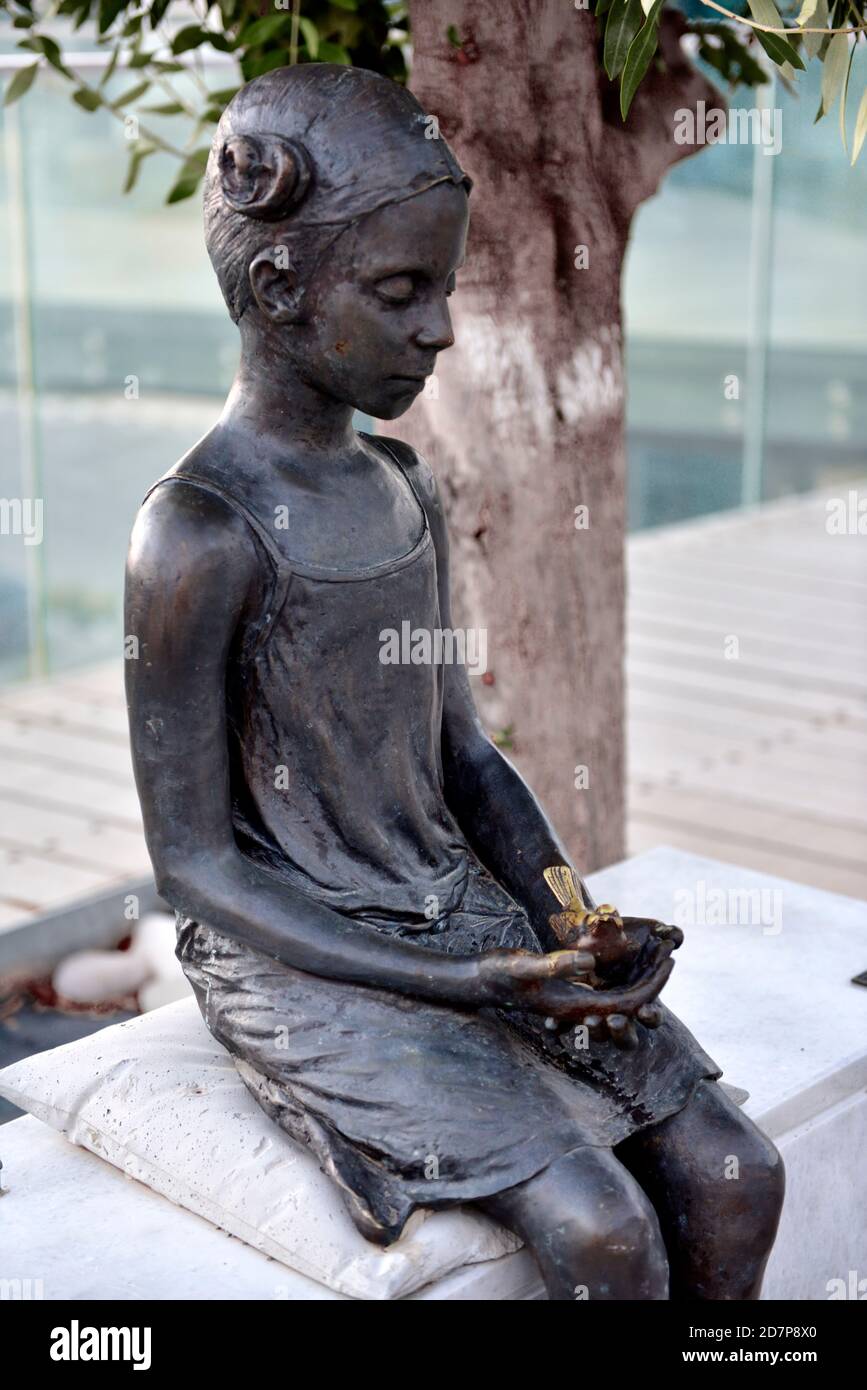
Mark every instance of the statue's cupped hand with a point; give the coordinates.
(551, 985)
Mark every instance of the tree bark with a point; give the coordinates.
(524, 422)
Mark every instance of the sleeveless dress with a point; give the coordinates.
(337, 789)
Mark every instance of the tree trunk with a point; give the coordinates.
(524, 420)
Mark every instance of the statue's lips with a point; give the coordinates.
(409, 383)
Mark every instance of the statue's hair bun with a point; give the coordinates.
(264, 175)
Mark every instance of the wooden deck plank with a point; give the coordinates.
(65, 747)
(651, 746)
(77, 834)
(751, 665)
(89, 793)
(756, 781)
(812, 607)
(776, 582)
(786, 651)
(780, 863)
(34, 882)
(105, 723)
(779, 828)
(741, 692)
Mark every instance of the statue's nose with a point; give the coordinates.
(436, 333)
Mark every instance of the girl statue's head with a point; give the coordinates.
(334, 210)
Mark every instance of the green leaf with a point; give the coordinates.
(189, 37)
(624, 22)
(766, 12)
(779, 50)
(345, 4)
(334, 53)
(454, 37)
(252, 66)
(41, 44)
(224, 95)
(127, 98)
(639, 57)
(261, 30)
(168, 108)
(860, 128)
(808, 9)
(137, 157)
(843, 96)
(21, 83)
(311, 35)
(109, 11)
(158, 10)
(833, 72)
(112, 64)
(190, 176)
(819, 20)
(88, 99)
(775, 45)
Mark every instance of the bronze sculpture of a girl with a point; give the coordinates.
(359, 874)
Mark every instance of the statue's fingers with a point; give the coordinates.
(649, 1015)
(663, 947)
(622, 1031)
(563, 965)
(595, 1026)
(629, 1000)
(531, 967)
(668, 933)
(648, 956)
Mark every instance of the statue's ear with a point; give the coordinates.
(262, 175)
(275, 285)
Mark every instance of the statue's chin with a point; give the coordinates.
(388, 406)
(390, 397)
(391, 410)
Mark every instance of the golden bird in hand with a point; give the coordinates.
(597, 930)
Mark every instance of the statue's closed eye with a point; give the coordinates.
(396, 289)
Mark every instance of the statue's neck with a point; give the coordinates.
(272, 402)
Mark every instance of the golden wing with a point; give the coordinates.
(561, 881)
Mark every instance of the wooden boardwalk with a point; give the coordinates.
(747, 677)
(69, 819)
(747, 669)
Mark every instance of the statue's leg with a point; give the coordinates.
(717, 1184)
(590, 1226)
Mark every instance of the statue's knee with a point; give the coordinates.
(766, 1179)
(752, 1197)
(625, 1249)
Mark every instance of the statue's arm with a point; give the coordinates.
(190, 571)
(496, 810)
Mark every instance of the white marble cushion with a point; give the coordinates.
(160, 1099)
